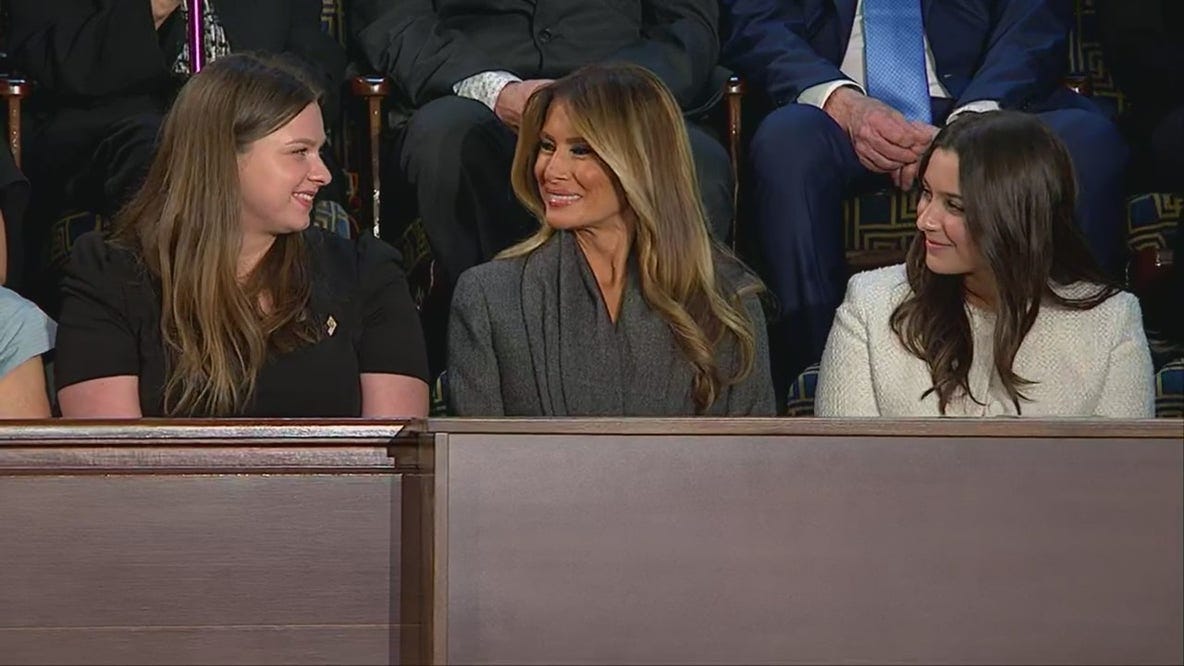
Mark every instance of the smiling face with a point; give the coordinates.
(949, 248)
(280, 174)
(576, 188)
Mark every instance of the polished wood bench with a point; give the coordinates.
(593, 541)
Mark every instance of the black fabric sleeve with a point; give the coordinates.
(95, 335)
(406, 41)
(87, 48)
(680, 44)
(392, 339)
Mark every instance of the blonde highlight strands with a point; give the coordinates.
(184, 224)
(632, 122)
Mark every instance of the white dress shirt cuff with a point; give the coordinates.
(817, 95)
(978, 106)
(484, 86)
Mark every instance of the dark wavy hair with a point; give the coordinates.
(1018, 192)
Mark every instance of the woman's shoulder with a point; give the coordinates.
(94, 250)
(1120, 305)
(95, 258)
(495, 276)
(363, 260)
(888, 286)
(23, 321)
(13, 306)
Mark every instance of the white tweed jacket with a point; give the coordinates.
(1084, 362)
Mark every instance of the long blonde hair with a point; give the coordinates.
(184, 224)
(632, 122)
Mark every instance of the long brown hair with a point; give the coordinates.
(1018, 192)
(184, 224)
(630, 119)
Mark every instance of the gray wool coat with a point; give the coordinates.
(531, 336)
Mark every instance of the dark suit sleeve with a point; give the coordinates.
(767, 46)
(86, 48)
(405, 40)
(1027, 54)
(319, 51)
(680, 43)
(474, 380)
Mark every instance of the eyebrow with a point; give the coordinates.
(574, 139)
(948, 195)
(312, 143)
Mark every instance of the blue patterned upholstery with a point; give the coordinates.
(1169, 390)
(1153, 219)
(801, 393)
(882, 220)
(1085, 58)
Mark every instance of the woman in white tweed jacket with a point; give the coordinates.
(999, 308)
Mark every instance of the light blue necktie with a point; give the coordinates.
(894, 56)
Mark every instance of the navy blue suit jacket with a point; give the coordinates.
(1014, 52)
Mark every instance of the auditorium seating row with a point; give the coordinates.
(877, 225)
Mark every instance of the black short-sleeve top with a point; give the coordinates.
(110, 326)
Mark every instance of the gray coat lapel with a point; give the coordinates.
(541, 321)
(589, 350)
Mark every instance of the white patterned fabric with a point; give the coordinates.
(213, 36)
(1085, 362)
(484, 87)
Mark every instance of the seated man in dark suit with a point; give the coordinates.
(463, 70)
(861, 87)
(106, 71)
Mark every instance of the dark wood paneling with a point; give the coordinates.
(681, 549)
(84, 551)
(200, 645)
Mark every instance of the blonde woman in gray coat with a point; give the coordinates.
(620, 304)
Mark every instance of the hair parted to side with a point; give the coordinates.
(634, 125)
(1018, 193)
(184, 224)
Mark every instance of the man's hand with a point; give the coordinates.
(907, 174)
(883, 140)
(162, 9)
(512, 100)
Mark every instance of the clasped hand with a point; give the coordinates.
(883, 139)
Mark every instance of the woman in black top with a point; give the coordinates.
(215, 298)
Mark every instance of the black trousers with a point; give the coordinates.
(455, 156)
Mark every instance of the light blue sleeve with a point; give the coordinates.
(25, 331)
